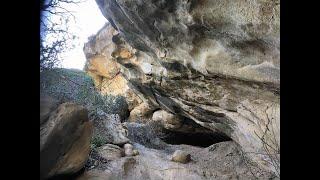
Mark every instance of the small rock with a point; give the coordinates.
(96, 163)
(146, 68)
(181, 156)
(128, 150)
(135, 152)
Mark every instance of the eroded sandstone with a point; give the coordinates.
(214, 62)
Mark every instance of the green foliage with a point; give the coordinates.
(76, 86)
(115, 105)
(65, 84)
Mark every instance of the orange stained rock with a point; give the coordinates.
(116, 86)
(104, 67)
(125, 53)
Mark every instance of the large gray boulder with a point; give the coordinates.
(65, 134)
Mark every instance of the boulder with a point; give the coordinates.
(141, 112)
(64, 139)
(169, 120)
(176, 123)
(128, 149)
(181, 157)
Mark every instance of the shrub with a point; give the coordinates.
(148, 134)
(97, 141)
(76, 86)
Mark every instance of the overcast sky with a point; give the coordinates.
(89, 21)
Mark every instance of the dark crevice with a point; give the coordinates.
(194, 139)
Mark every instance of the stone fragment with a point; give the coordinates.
(128, 149)
(181, 157)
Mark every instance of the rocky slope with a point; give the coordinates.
(215, 64)
(157, 160)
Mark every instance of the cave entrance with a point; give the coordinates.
(194, 139)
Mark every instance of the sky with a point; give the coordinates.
(89, 20)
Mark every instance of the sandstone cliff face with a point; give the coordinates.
(216, 63)
(102, 66)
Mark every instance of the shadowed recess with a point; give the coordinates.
(194, 139)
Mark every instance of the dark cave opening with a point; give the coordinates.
(194, 139)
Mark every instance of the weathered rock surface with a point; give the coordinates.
(234, 38)
(110, 152)
(101, 52)
(220, 161)
(141, 113)
(181, 157)
(96, 175)
(214, 62)
(169, 120)
(177, 123)
(64, 138)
